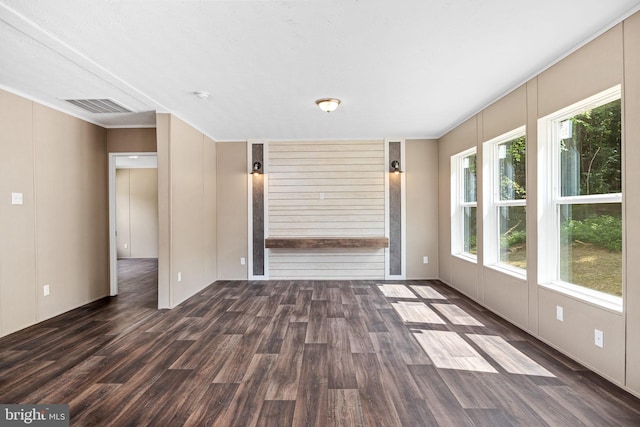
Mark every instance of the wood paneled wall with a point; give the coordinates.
(326, 189)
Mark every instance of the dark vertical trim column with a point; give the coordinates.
(395, 212)
(258, 211)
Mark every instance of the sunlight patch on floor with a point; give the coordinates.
(456, 315)
(511, 359)
(416, 312)
(448, 350)
(427, 292)
(396, 291)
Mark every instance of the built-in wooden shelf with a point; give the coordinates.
(326, 242)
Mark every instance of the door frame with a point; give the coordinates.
(113, 253)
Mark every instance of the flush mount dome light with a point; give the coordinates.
(201, 95)
(328, 104)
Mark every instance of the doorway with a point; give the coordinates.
(133, 211)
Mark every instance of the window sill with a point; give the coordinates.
(467, 257)
(514, 272)
(595, 298)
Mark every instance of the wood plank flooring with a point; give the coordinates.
(300, 353)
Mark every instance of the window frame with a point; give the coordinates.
(550, 200)
(492, 202)
(458, 204)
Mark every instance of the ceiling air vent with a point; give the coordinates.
(99, 105)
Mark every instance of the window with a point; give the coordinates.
(464, 238)
(505, 226)
(581, 218)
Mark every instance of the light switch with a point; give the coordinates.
(16, 198)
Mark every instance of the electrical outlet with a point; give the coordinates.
(243, 261)
(179, 276)
(425, 260)
(559, 313)
(16, 198)
(45, 290)
(598, 338)
(126, 246)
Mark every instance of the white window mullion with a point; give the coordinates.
(519, 202)
(590, 199)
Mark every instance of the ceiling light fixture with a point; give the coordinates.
(133, 157)
(328, 104)
(201, 95)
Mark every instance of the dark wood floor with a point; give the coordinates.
(300, 353)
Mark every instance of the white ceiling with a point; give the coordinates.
(402, 68)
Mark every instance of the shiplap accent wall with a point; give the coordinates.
(326, 189)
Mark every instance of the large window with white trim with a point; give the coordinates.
(580, 232)
(505, 196)
(464, 238)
